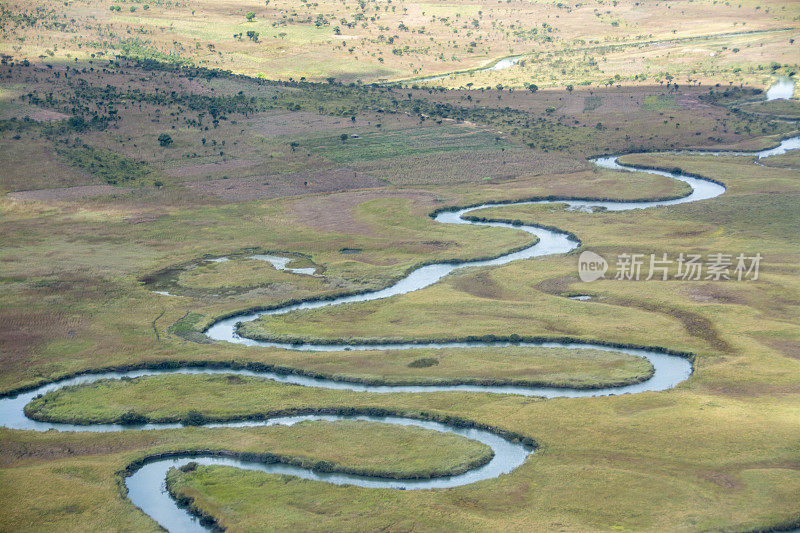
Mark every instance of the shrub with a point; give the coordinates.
(189, 467)
(193, 417)
(133, 418)
(425, 362)
(164, 139)
(322, 466)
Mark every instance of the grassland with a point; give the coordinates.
(594, 42)
(221, 397)
(717, 453)
(73, 481)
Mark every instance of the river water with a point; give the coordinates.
(146, 487)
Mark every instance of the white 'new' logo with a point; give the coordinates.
(591, 266)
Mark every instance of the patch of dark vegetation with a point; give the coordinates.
(132, 418)
(111, 167)
(732, 95)
(186, 328)
(193, 417)
(424, 362)
(189, 467)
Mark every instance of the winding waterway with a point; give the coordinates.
(146, 485)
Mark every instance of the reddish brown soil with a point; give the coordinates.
(206, 169)
(66, 193)
(336, 212)
(291, 184)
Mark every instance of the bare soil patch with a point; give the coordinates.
(714, 293)
(296, 122)
(32, 112)
(788, 347)
(479, 284)
(290, 184)
(205, 169)
(336, 212)
(66, 193)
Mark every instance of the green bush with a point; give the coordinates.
(189, 467)
(193, 417)
(133, 418)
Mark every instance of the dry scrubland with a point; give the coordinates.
(343, 179)
(565, 43)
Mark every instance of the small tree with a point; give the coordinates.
(343, 137)
(164, 139)
(250, 16)
(533, 87)
(570, 88)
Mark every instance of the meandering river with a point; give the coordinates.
(146, 486)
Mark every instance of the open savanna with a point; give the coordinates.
(594, 42)
(750, 58)
(96, 208)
